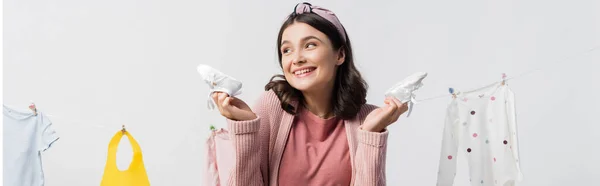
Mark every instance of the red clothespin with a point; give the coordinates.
(33, 108)
(503, 78)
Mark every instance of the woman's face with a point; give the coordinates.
(308, 59)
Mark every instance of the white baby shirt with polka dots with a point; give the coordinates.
(481, 126)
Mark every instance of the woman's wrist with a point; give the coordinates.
(372, 129)
(248, 117)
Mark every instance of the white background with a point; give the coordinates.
(95, 65)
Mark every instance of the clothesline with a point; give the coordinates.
(75, 122)
(56, 117)
(422, 100)
(517, 76)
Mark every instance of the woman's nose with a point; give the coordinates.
(298, 58)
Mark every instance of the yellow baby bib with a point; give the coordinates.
(135, 175)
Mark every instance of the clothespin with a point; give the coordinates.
(33, 108)
(451, 90)
(123, 129)
(503, 78)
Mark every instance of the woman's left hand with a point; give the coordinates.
(384, 116)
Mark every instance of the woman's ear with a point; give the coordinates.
(341, 56)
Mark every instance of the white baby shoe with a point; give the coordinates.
(404, 90)
(218, 82)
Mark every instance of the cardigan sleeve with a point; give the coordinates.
(251, 143)
(371, 157)
(371, 154)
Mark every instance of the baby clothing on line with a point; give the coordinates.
(481, 126)
(26, 135)
(135, 175)
(220, 158)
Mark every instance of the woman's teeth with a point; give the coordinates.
(300, 72)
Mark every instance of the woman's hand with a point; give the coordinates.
(384, 116)
(233, 108)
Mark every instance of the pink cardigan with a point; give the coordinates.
(259, 146)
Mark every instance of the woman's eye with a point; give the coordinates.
(311, 45)
(285, 51)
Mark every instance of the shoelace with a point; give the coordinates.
(211, 81)
(411, 101)
(411, 104)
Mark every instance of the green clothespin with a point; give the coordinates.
(212, 127)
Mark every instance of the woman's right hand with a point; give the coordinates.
(233, 108)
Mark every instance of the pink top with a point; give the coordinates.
(322, 148)
(259, 146)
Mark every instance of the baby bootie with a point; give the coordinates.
(218, 82)
(404, 90)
